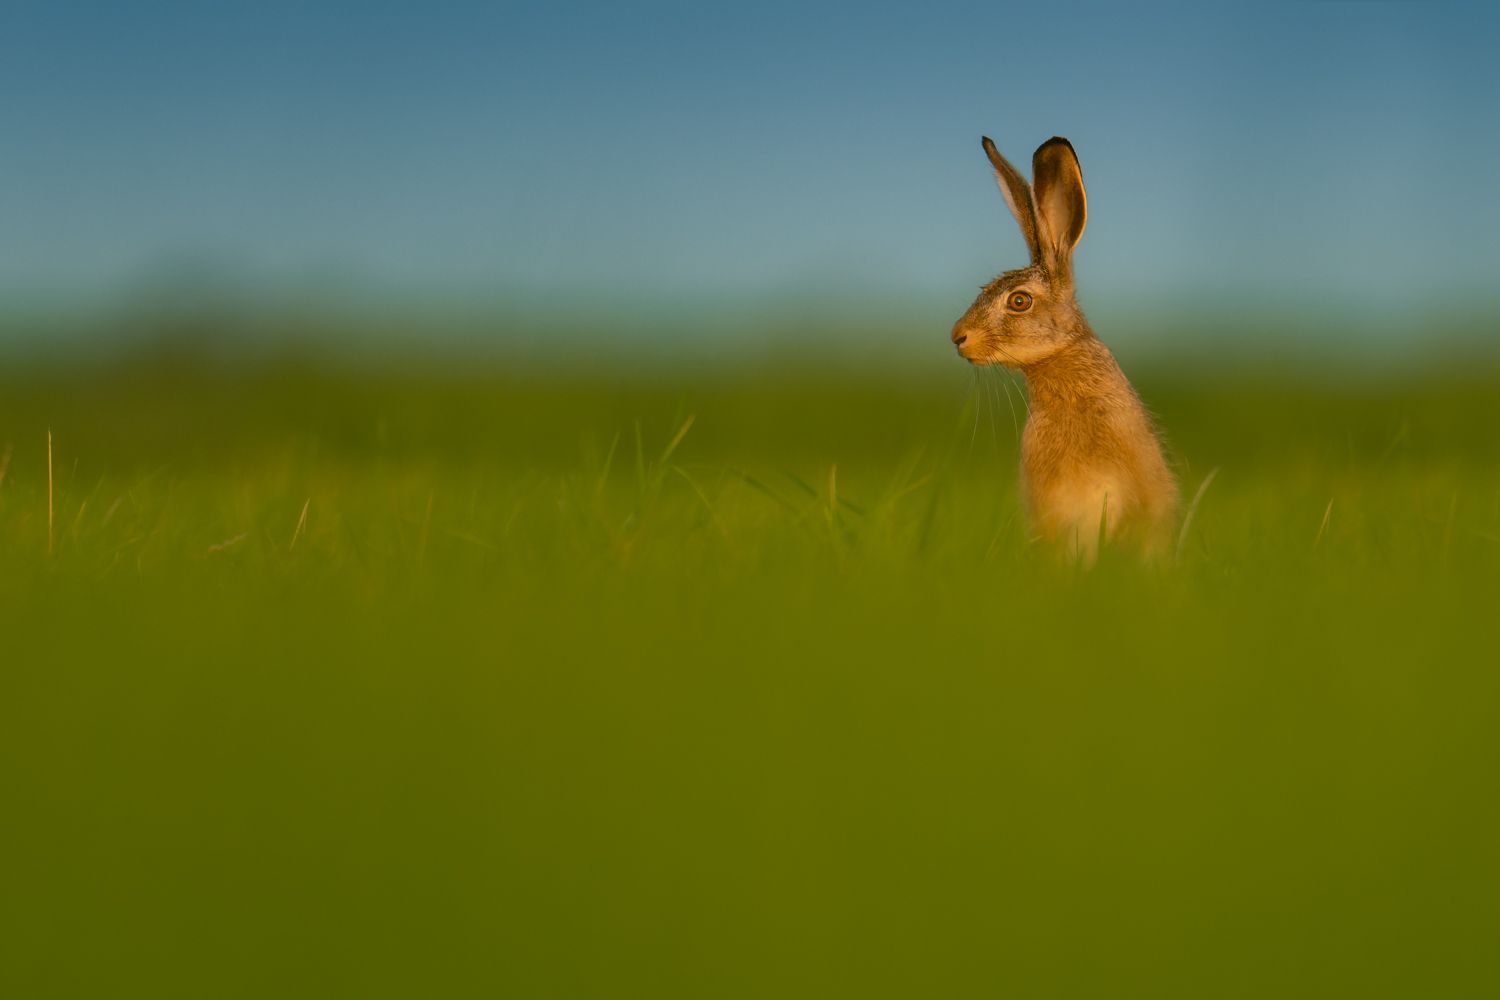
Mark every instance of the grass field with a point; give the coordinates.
(500, 684)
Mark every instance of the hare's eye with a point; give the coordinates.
(1020, 301)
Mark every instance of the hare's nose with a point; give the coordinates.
(959, 336)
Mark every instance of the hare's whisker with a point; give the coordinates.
(994, 406)
(1011, 403)
(974, 431)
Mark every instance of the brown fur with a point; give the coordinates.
(1091, 465)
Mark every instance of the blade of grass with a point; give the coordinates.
(1187, 520)
(301, 523)
(677, 439)
(609, 460)
(761, 487)
(1327, 512)
(698, 491)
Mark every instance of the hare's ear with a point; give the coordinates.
(1018, 196)
(1061, 207)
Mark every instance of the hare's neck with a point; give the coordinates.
(1076, 380)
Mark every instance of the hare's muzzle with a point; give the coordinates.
(960, 338)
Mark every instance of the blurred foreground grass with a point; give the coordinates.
(489, 684)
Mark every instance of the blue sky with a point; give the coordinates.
(596, 152)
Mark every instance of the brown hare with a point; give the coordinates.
(1091, 465)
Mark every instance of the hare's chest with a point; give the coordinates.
(1073, 483)
(1082, 503)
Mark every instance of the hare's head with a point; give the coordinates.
(1028, 315)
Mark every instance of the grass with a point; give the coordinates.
(494, 684)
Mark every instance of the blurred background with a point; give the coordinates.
(489, 506)
(652, 182)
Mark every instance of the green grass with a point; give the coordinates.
(698, 685)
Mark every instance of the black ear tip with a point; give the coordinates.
(1057, 140)
(987, 142)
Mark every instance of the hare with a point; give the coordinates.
(1091, 464)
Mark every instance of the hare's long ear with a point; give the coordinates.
(1018, 196)
(1061, 207)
